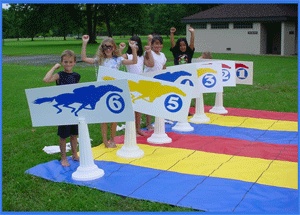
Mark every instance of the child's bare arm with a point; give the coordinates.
(84, 58)
(192, 40)
(50, 77)
(172, 31)
(134, 54)
(150, 37)
(148, 60)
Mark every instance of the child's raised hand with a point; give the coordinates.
(147, 48)
(56, 66)
(85, 38)
(122, 45)
(132, 45)
(172, 30)
(150, 37)
(191, 29)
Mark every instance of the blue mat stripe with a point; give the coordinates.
(198, 192)
(266, 136)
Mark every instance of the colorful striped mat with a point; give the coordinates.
(244, 161)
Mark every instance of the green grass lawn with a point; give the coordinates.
(275, 88)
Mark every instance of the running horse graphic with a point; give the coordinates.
(150, 90)
(172, 77)
(86, 96)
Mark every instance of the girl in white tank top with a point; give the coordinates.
(138, 69)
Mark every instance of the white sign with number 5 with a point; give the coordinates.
(151, 96)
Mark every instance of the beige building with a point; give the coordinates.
(246, 29)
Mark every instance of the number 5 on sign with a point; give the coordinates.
(173, 103)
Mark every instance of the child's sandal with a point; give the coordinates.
(75, 158)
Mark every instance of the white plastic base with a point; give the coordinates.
(159, 136)
(130, 152)
(87, 173)
(130, 149)
(218, 110)
(159, 139)
(183, 126)
(200, 118)
(87, 169)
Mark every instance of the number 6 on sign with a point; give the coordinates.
(115, 103)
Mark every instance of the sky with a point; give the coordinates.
(5, 5)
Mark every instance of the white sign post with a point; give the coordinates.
(210, 80)
(87, 169)
(130, 149)
(83, 103)
(157, 98)
(199, 116)
(159, 136)
(228, 80)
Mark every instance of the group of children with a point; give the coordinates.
(108, 54)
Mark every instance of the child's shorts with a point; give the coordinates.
(64, 131)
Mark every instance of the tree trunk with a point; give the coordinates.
(107, 22)
(95, 26)
(89, 16)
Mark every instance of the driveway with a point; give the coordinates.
(38, 60)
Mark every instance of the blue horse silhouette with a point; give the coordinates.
(88, 95)
(172, 77)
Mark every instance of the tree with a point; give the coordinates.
(34, 19)
(30, 20)
(64, 17)
(162, 21)
(90, 12)
(130, 19)
(14, 18)
(8, 29)
(118, 18)
(164, 16)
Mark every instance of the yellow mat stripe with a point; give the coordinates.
(268, 172)
(255, 123)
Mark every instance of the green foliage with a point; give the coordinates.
(274, 88)
(31, 20)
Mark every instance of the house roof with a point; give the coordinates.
(246, 12)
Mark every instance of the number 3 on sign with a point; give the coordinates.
(209, 80)
(173, 103)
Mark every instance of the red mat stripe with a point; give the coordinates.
(288, 116)
(229, 146)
